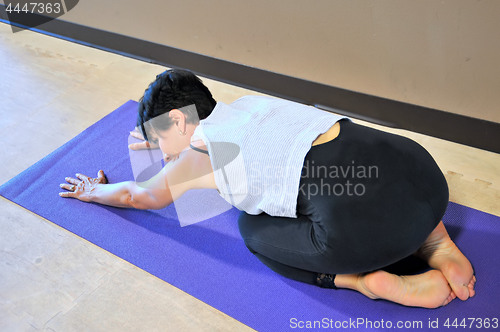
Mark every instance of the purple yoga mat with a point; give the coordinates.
(209, 259)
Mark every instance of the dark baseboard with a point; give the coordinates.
(449, 126)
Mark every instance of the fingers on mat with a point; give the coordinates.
(139, 146)
(67, 194)
(136, 134)
(66, 186)
(81, 176)
(72, 180)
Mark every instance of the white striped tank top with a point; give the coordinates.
(257, 146)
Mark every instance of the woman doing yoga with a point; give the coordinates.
(324, 200)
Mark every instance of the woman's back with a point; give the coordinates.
(257, 147)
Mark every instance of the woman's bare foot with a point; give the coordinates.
(442, 254)
(427, 290)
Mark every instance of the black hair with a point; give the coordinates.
(174, 89)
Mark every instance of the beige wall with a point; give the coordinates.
(440, 54)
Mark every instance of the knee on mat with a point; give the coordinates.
(249, 247)
(245, 228)
(244, 225)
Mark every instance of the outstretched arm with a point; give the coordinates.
(158, 192)
(128, 194)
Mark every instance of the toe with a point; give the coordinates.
(449, 299)
(472, 291)
(458, 280)
(461, 291)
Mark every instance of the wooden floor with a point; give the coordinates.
(50, 279)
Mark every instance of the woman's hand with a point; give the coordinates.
(142, 145)
(148, 145)
(83, 187)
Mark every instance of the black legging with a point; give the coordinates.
(352, 222)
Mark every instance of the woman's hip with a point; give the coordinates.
(376, 194)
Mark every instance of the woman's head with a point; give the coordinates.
(174, 89)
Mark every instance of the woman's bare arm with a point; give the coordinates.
(129, 194)
(158, 192)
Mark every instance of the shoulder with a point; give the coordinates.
(193, 168)
(251, 102)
